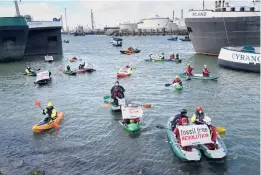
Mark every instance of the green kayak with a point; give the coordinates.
(218, 153)
(162, 60)
(193, 155)
(132, 127)
(177, 86)
(198, 76)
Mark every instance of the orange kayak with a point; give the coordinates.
(37, 128)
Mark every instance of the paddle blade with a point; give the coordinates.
(117, 67)
(160, 126)
(167, 85)
(106, 105)
(220, 129)
(37, 103)
(134, 68)
(147, 106)
(56, 126)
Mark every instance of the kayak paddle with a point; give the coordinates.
(167, 85)
(56, 126)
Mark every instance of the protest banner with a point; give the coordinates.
(194, 135)
(131, 112)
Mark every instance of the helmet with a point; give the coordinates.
(28, 66)
(184, 121)
(198, 108)
(188, 64)
(176, 76)
(49, 104)
(117, 82)
(205, 65)
(183, 111)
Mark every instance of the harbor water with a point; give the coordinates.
(91, 141)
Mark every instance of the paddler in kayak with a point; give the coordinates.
(117, 91)
(189, 70)
(205, 71)
(28, 70)
(68, 69)
(177, 119)
(162, 56)
(213, 134)
(128, 121)
(177, 56)
(81, 66)
(198, 116)
(51, 112)
(184, 122)
(172, 56)
(177, 80)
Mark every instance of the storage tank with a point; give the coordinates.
(128, 26)
(153, 23)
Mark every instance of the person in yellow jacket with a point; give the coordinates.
(28, 70)
(68, 69)
(198, 116)
(51, 112)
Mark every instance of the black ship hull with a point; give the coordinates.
(209, 35)
(13, 37)
(42, 41)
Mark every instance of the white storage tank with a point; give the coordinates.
(128, 26)
(153, 23)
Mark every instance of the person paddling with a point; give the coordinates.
(189, 70)
(177, 119)
(172, 56)
(205, 71)
(184, 122)
(68, 69)
(198, 116)
(51, 112)
(177, 56)
(117, 91)
(177, 80)
(213, 134)
(28, 70)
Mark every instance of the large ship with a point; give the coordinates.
(210, 30)
(20, 36)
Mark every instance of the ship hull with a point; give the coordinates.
(42, 41)
(13, 37)
(209, 35)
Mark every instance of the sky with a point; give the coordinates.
(106, 13)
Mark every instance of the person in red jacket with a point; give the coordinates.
(177, 80)
(213, 134)
(172, 56)
(205, 71)
(189, 70)
(184, 122)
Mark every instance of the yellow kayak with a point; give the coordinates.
(38, 128)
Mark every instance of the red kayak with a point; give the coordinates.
(122, 75)
(81, 70)
(124, 72)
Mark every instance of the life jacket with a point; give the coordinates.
(172, 56)
(189, 70)
(117, 92)
(49, 111)
(205, 72)
(199, 116)
(213, 133)
(176, 80)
